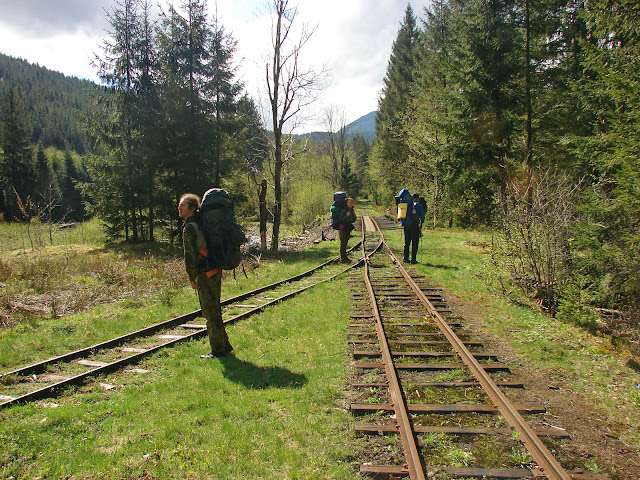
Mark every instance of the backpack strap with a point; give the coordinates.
(201, 247)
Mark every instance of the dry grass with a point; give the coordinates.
(58, 281)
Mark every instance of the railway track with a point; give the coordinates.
(432, 403)
(49, 377)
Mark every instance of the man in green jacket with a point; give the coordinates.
(207, 284)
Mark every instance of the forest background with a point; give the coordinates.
(520, 117)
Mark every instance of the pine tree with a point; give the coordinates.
(224, 90)
(429, 118)
(16, 167)
(484, 101)
(71, 192)
(390, 146)
(610, 228)
(46, 193)
(115, 129)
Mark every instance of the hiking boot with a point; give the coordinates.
(214, 355)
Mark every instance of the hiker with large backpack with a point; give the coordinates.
(411, 216)
(211, 240)
(343, 216)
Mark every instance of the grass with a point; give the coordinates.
(273, 410)
(277, 408)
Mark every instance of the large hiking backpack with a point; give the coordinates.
(223, 234)
(337, 207)
(406, 212)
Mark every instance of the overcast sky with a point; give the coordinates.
(353, 37)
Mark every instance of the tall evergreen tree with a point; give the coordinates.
(429, 117)
(390, 148)
(610, 231)
(199, 94)
(224, 90)
(17, 173)
(71, 191)
(46, 193)
(115, 129)
(485, 102)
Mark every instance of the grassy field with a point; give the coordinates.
(277, 407)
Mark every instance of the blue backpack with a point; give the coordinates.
(337, 207)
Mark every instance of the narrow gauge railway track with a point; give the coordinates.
(418, 376)
(48, 378)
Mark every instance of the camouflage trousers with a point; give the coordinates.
(209, 295)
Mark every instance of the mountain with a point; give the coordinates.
(52, 103)
(364, 126)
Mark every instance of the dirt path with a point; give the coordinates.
(594, 437)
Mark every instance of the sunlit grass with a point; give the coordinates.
(274, 409)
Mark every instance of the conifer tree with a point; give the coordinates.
(71, 191)
(485, 101)
(46, 184)
(390, 146)
(115, 129)
(610, 228)
(429, 116)
(16, 166)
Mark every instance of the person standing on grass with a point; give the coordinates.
(207, 284)
(346, 219)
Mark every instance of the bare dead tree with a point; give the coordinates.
(335, 143)
(291, 88)
(533, 242)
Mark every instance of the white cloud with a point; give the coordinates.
(353, 37)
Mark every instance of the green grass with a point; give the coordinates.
(36, 235)
(276, 409)
(273, 410)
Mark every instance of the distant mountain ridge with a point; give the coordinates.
(364, 126)
(52, 103)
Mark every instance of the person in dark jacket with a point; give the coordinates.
(345, 220)
(411, 219)
(413, 233)
(207, 284)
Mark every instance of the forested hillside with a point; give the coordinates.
(523, 116)
(52, 103)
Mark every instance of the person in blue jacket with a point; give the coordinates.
(412, 223)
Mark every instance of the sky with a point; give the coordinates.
(352, 39)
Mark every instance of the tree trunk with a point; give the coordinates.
(277, 208)
(262, 197)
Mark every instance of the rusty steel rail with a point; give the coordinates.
(412, 456)
(548, 465)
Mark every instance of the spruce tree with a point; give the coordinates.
(46, 193)
(484, 101)
(429, 117)
(390, 146)
(114, 128)
(610, 227)
(71, 192)
(17, 174)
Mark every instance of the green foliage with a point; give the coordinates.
(17, 172)
(310, 201)
(53, 102)
(572, 308)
